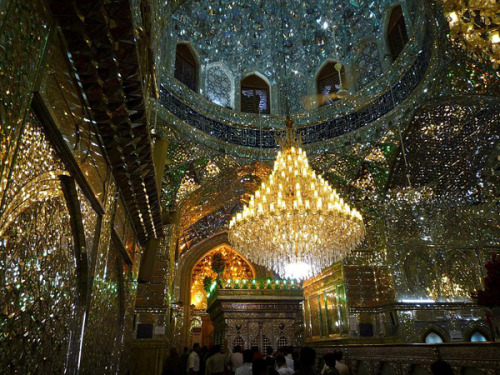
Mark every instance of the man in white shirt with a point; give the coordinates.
(193, 365)
(339, 366)
(235, 360)
(283, 368)
(288, 351)
(246, 367)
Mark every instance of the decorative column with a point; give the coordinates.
(148, 258)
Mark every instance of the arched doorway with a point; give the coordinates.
(234, 266)
(222, 260)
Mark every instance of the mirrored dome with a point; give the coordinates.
(284, 39)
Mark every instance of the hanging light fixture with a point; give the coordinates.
(295, 224)
(341, 92)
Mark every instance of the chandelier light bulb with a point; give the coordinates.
(298, 271)
(300, 225)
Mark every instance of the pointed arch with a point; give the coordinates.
(220, 86)
(185, 268)
(237, 267)
(329, 81)
(368, 62)
(434, 335)
(187, 65)
(477, 332)
(255, 94)
(396, 34)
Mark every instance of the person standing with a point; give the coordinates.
(215, 364)
(204, 354)
(184, 360)
(287, 353)
(172, 364)
(246, 367)
(193, 365)
(269, 358)
(235, 360)
(283, 368)
(307, 361)
(341, 368)
(330, 362)
(259, 367)
(208, 361)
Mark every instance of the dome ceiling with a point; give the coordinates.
(367, 165)
(246, 35)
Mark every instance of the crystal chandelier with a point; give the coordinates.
(295, 224)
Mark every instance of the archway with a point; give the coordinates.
(329, 81)
(233, 264)
(224, 262)
(432, 336)
(478, 334)
(255, 94)
(187, 263)
(396, 33)
(187, 66)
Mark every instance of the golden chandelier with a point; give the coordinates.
(295, 224)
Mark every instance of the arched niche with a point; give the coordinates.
(434, 335)
(477, 332)
(187, 66)
(47, 241)
(183, 276)
(255, 94)
(368, 66)
(220, 85)
(395, 31)
(236, 267)
(328, 81)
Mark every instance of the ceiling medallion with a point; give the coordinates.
(295, 224)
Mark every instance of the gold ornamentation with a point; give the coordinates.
(236, 268)
(295, 224)
(475, 27)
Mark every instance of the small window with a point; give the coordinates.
(397, 35)
(186, 67)
(281, 343)
(254, 342)
(433, 338)
(478, 337)
(255, 95)
(329, 82)
(238, 340)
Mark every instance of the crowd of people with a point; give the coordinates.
(284, 361)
